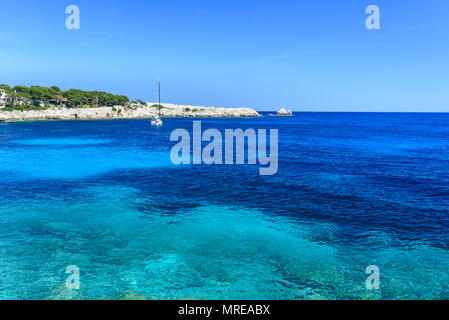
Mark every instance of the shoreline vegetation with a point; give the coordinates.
(22, 103)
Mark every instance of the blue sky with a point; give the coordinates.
(303, 55)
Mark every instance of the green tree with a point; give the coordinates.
(75, 97)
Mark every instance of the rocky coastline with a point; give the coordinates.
(126, 112)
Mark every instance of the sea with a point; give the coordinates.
(354, 192)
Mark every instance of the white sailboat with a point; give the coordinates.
(157, 121)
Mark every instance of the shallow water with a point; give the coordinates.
(352, 190)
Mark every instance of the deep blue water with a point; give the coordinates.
(352, 190)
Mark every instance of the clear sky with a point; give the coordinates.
(314, 55)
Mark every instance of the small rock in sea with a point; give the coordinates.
(284, 112)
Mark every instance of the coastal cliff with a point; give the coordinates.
(120, 112)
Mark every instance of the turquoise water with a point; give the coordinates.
(63, 142)
(352, 190)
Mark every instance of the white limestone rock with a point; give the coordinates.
(120, 112)
(283, 113)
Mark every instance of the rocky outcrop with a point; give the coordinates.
(120, 112)
(283, 112)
